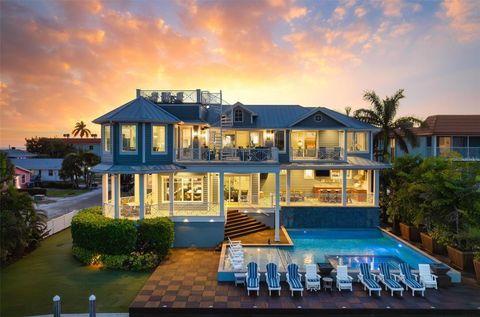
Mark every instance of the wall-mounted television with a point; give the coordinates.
(322, 173)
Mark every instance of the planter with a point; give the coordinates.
(462, 260)
(410, 233)
(431, 245)
(476, 265)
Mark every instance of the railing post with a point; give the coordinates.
(344, 188)
(170, 194)
(91, 306)
(289, 176)
(277, 206)
(56, 306)
(221, 191)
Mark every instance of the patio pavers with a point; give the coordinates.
(169, 291)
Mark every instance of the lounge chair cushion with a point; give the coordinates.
(252, 282)
(272, 277)
(296, 283)
(392, 284)
(413, 284)
(273, 283)
(313, 280)
(345, 282)
(293, 277)
(365, 271)
(371, 283)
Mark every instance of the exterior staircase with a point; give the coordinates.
(239, 224)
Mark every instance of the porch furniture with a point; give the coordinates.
(294, 279)
(409, 279)
(312, 278)
(253, 278)
(273, 278)
(426, 277)
(387, 279)
(239, 278)
(327, 283)
(343, 281)
(368, 280)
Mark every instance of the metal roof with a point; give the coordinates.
(39, 164)
(16, 153)
(138, 110)
(135, 169)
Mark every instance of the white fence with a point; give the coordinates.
(60, 223)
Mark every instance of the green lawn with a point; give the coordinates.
(27, 286)
(65, 192)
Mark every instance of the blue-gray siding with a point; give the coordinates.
(198, 234)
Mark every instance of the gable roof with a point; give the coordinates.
(247, 109)
(138, 110)
(17, 153)
(450, 125)
(36, 164)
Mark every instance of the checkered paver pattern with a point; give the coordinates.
(187, 281)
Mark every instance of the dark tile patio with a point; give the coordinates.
(186, 284)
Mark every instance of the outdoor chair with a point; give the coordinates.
(312, 278)
(294, 279)
(387, 279)
(368, 280)
(426, 277)
(273, 278)
(343, 281)
(253, 278)
(409, 279)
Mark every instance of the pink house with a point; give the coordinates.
(22, 177)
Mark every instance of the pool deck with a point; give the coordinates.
(185, 284)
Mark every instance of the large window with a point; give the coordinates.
(107, 138)
(280, 140)
(238, 115)
(184, 189)
(357, 142)
(158, 139)
(129, 137)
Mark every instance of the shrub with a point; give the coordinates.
(34, 191)
(59, 185)
(156, 234)
(93, 231)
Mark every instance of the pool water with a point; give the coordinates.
(337, 246)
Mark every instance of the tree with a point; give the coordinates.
(89, 160)
(72, 168)
(382, 115)
(21, 226)
(81, 128)
(50, 147)
(7, 170)
(348, 110)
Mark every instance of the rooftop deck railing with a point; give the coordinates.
(182, 96)
(235, 155)
(322, 153)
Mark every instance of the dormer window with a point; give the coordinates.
(238, 115)
(318, 118)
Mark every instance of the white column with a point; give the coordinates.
(376, 197)
(170, 193)
(221, 193)
(116, 195)
(288, 187)
(141, 179)
(155, 187)
(277, 206)
(345, 135)
(434, 145)
(344, 188)
(104, 188)
(136, 192)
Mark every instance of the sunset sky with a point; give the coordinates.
(66, 61)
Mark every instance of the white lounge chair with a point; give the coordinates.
(343, 280)
(426, 277)
(312, 278)
(253, 278)
(368, 280)
(387, 279)
(273, 278)
(410, 280)
(294, 279)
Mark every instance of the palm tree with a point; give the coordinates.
(81, 128)
(348, 109)
(382, 115)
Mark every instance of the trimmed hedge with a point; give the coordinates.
(93, 231)
(34, 191)
(135, 261)
(155, 234)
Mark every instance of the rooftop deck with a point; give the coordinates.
(186, 283)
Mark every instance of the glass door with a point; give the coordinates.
(237, 189)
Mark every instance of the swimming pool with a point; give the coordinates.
(337, 246)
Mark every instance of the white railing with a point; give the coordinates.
(60, 223)
(326, 199)
(182, 96)
(193, 209)
(321, 153)
(132, 211)
(259, 154)
(470, 153)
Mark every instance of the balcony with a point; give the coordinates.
(232, 155)
(182, 96)
(464, 153)
(319, 154)
(131, 210)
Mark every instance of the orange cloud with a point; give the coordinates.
(463, 17)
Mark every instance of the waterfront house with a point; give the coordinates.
(41, 169)
(457, 136)
(92, 145)
(189, 156)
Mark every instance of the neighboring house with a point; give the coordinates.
(22, 177)
(14, 153)
(185, 155)
(92, 145)
(41, 169)
(445, 135)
